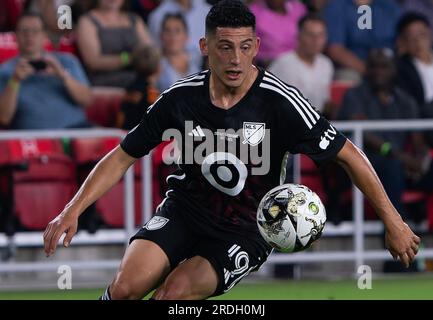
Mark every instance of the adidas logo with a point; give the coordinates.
(197, 132)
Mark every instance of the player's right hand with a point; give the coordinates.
(65, 222)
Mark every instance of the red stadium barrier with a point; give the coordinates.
(43, 184)
(88, 151)
(338, 90)
(42, 192)
(105, 106)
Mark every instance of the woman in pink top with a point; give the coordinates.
(276, 23)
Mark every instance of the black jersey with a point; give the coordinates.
(231, 158)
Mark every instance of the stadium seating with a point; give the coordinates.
(110, 207)
(68, 44)
(310, 176)
(42, 179)
(8, 46)
(105, 106)
(338, 89)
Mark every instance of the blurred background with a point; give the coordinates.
(75, 75)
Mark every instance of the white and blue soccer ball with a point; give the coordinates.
(291, 217)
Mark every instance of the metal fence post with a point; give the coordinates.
(146, 188)
(129, 204)
(358, 209)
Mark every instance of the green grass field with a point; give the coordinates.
(419, 288)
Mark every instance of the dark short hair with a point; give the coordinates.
(229, 14)
(178, 16)
(310, 17)
(31, 14)
(411, 17)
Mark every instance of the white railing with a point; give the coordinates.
(359, 255)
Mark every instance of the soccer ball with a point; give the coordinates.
(291, 217)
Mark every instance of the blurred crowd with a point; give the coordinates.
(352, 62)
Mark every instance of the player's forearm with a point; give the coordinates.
(363, 175)
(8, 102)
(102, 178)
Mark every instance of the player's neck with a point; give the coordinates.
(226, 97)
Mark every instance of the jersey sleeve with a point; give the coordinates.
(308, 132)
(148, 133)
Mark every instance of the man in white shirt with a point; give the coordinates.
(306, 67)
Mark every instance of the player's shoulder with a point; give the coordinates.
(179, 93)
(288, 100)
(279, 91)
(187, 85)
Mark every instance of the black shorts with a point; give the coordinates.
(232, 259)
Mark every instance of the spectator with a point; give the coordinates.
(348, 45)
(106, 38)
(40, 90)
(48, 11)
(424, 7)
(277, 27)
(306, 67)
(415, 66)
(315, 6)
(377, 98)
(144, 7)
(177, 61)
(142, 92)
(194, 12)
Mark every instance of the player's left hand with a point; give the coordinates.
(65, 222)
(401, 242)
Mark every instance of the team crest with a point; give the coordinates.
(157, 222)
(253, 133)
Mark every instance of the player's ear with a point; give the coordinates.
(203, 46)
(258, 41)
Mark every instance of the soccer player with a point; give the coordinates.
(203, 239)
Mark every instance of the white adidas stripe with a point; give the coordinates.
(197, 132)
(181, 83)
(190, 78)
(271, 87)
(306, 111)
(296, 93)
(185, 84)
(200, 131)
(153, 104)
